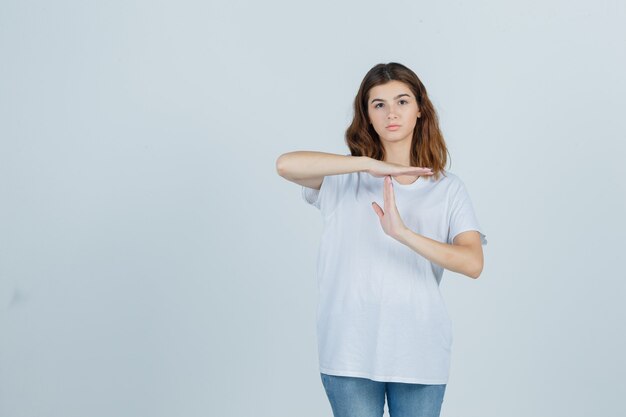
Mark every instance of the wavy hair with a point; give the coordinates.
(428, 148)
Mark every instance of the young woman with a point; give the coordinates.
(394, 219)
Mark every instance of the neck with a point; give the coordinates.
(398, 152)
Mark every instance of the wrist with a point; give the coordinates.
(404, 235)
(365, 162)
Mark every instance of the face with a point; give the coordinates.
(389, 104)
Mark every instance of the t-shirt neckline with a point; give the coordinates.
(419, 182)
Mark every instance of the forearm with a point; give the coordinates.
(457, 258)
(302, 165)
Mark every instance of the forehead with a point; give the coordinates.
(389, 90)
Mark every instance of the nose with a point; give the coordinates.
(392, 113)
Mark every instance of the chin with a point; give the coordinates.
(394, 138)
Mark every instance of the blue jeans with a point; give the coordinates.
(362, 397)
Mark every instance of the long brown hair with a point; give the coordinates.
(428, 148)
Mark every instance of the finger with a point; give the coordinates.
(419, 170)
(392, 195)
(386, 188)
(378, 210)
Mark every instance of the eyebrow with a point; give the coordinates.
(396, 97)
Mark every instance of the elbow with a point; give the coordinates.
(285, 164)
(280, 165)
(476, 270)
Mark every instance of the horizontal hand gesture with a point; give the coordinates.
(381, 168)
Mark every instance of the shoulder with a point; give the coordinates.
(340, 183)
(451, 180)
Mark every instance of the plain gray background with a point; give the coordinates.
(153, 263)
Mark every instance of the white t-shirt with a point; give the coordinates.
(380, 313)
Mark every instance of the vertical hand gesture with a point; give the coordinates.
(390, 219)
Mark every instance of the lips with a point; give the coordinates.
(393, 127)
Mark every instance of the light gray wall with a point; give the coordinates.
(152, 262)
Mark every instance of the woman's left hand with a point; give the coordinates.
(390, 218)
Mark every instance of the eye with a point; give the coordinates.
(376, 106)
(404, 101)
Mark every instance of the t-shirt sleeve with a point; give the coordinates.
(462, 216)
(328, 197)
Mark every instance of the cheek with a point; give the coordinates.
(379, 123)
(379, 117)
(411, 115)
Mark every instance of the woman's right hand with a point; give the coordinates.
(381, 169)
